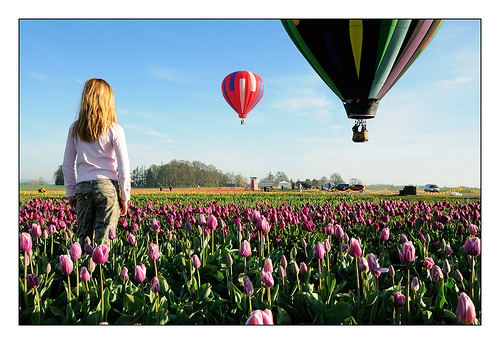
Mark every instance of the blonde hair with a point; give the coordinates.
(97, 111)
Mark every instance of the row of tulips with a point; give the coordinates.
(236, 259)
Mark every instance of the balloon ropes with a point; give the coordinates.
(242, 90)
(361, 60)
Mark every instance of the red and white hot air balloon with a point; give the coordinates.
(242, 90)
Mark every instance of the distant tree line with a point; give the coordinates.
(183, 174)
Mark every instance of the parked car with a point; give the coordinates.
(357, 187)
(341, 187)
(431, 188)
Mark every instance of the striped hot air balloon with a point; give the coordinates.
(242, 90)
(360, 60)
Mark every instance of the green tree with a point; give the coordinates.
(336, 178)
(58, 176)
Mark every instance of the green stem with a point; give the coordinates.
(102, 294)
(143, 303)
(357, 283)
(269, 297)
(77, 281)
(69, 290)
(408, 291)
(472, 278)
(25, 280)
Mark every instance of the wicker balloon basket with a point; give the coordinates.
(360, 136)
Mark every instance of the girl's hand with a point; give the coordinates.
(72, 201)
(123, 207)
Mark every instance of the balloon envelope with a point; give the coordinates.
(360, 60)
(242, 90)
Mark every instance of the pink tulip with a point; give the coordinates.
(354, 248)
(196, 261)
(131, 239)
(338, 232)
(263, 225)
(437, 274)
(259, 317)
(319, 250)
(303, 268)
(124, 274)
(428, 263)
(473, 246)
(363, 265)
(100, 254)
(25, 242)
(75, 251)
(112, 233)
(84, 274)
(385, 234)
(155, 285)
(466, 311)
(246, 250)
(154, 251)
(472, 229)
(91, 265)
(415, 284)
(36, 230)
(212, 222)
(267, 278)
(268, 265)
(140, 272)
(407, 254)
(247, 285)
(66, 264)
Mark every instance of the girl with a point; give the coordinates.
(97, 143)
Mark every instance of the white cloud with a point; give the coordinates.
(459, 80)
(150, 131)
(168, 74)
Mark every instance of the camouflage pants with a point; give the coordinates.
(97, 210)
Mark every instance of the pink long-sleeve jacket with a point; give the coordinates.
(106, 157)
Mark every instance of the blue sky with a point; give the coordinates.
(166, 76)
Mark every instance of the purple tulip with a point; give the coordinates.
(88, 249)
(245, 250)
(33, 280)
(75, 251)
(154, 251)
(407, 254)
(229, 259)
(25, 242)
(124, 274)
(100, 254)
(155, 285)
(66, 264)
(392, 272)
(473, 246)
(247, 285)
(399, 299)
(112, 233)
(196, 261)
(319, 250)
(466, 311)
(84, 274)
(328, 230)
(354, 248)
(140, 273)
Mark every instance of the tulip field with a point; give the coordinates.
(255, 258)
